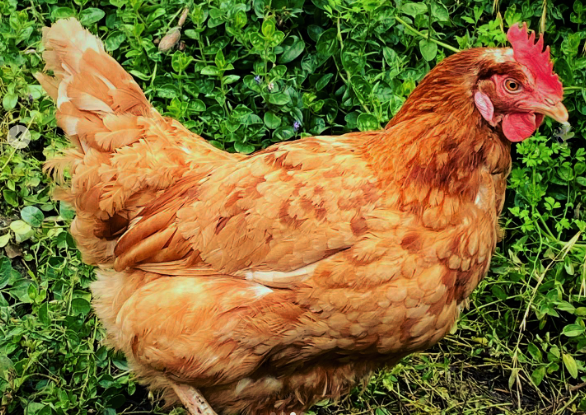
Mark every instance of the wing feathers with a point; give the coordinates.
(143, 229)
(145, 248)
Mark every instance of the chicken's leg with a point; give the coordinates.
(192, 400)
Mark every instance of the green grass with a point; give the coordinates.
(250, 73)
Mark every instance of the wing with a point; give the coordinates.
(271, 217)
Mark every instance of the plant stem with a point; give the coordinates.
(574, 88)
(348, 75)
(408, 26)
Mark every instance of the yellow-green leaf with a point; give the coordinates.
(570, 365)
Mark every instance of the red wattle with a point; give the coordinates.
(519, 125)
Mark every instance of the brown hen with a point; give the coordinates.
(264, 283)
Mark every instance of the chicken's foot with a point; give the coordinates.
(193, 401)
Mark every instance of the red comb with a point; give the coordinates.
(534, 58)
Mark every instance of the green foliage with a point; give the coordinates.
(249, 73)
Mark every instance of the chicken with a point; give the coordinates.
(260, 284)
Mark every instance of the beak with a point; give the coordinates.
(556, 111)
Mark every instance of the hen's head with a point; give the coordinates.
(517, 87)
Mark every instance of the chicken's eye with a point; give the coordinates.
(512, 85)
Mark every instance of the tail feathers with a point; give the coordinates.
(120, 131)
(66, 42)
(49, 84)
(91, 89)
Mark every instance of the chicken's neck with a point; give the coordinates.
(439, 141)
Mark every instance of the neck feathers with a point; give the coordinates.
(439, 140)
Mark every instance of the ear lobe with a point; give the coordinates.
(484, 105)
